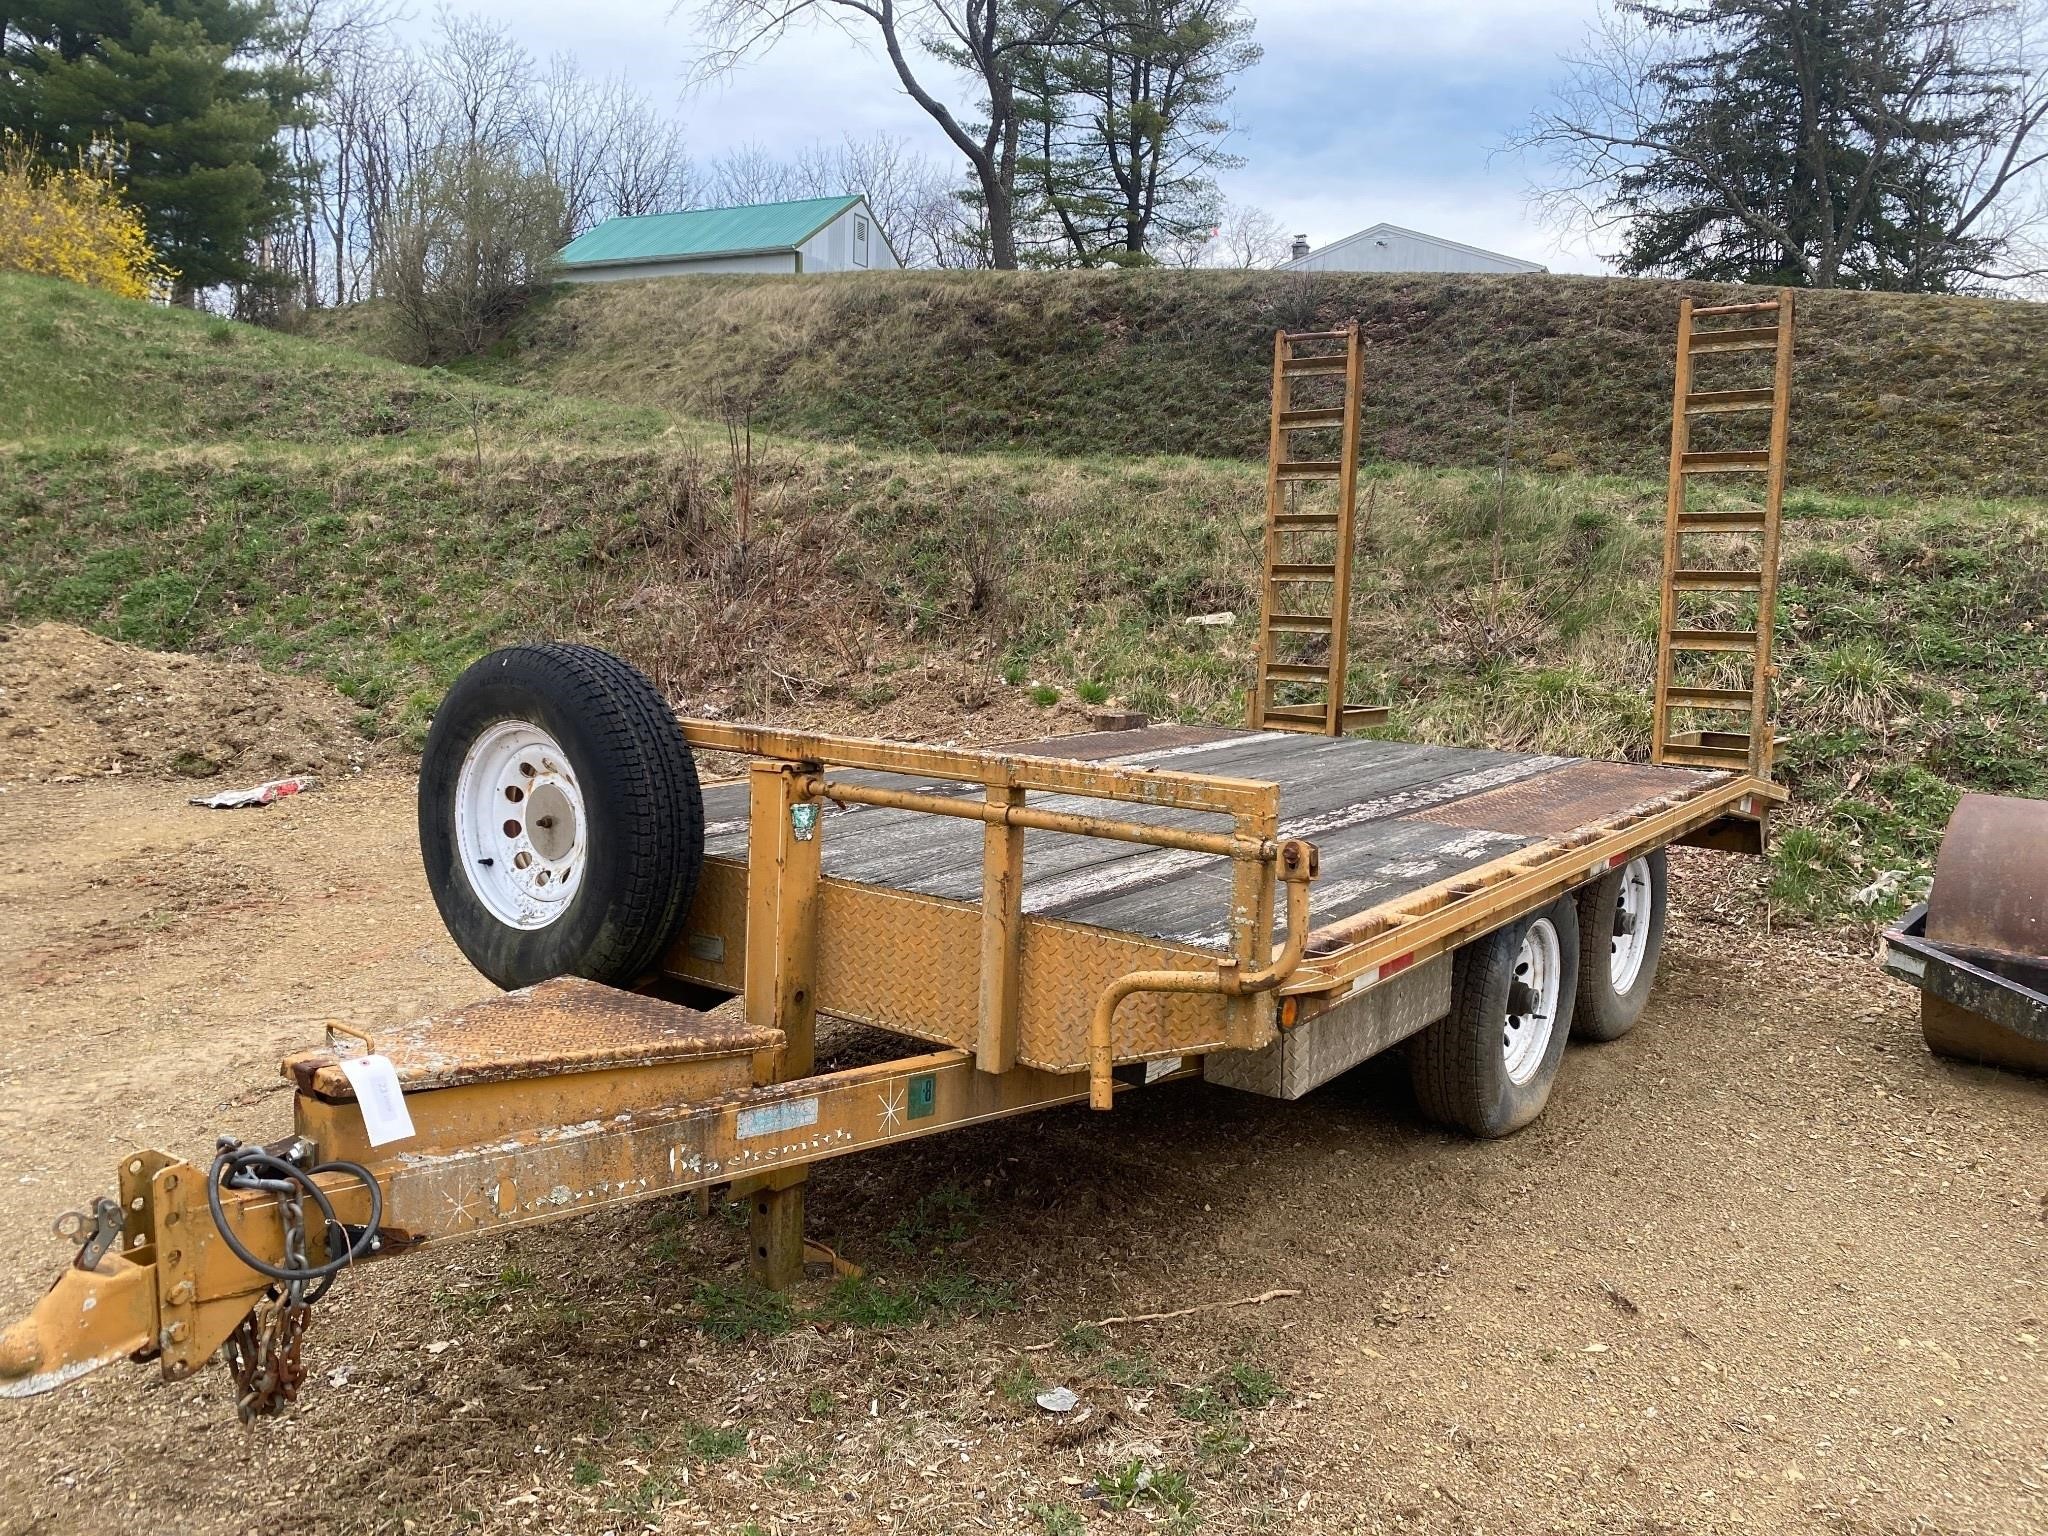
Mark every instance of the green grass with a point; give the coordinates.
(1138, 1483)
(85, 367)
(1893, 393)
(709, 1442)
(734, 1312)
(1020, 1385)
(512, 1283)
(1057, 1519)
(864, 1301)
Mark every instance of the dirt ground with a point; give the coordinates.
(1764, 1265)
(75, 704)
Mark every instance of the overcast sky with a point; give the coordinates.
(1362, 110)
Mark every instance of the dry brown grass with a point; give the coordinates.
(1892, 393)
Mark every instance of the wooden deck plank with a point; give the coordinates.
(1386, 815)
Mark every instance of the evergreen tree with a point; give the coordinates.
(191, 95)
(1822, 143)
(1127, 124)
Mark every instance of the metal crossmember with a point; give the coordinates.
(1286, 616)
(1687, 707)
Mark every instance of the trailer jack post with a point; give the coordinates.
(1299, 864)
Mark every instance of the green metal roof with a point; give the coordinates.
(704, 232)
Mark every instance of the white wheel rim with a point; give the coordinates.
(520, 830)
(1532, 1001)
(1629, 941)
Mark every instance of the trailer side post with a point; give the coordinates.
(784, 832)
(1002, 933)
(1251, 918)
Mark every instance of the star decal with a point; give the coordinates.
(464, 1208)
(892, 1106)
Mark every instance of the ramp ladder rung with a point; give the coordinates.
(1710, 698)
(1312, 420)
(1311, 367)
(1721, 522)
(1718, 581)
(1712, 639)
(1709, 402)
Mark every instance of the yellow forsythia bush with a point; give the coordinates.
(72, 222)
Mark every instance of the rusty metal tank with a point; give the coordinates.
(1989, 908)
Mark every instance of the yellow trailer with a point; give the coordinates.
(1051, 923)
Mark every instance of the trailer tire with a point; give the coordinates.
(573, 740)
(1483, 1068)
(1617, 963)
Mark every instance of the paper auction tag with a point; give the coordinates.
(375, 1081)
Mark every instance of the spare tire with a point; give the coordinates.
(560, 819)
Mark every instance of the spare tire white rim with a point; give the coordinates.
(1532, 1001)
(520, 830)
(1630, 940)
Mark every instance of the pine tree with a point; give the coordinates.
(191, 96)
(1822, 143)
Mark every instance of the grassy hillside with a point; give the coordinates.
(83, 366)
(1913, 633)
(1892, 394)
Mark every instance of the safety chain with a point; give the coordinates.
(263, 1353)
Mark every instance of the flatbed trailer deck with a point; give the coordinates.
(1421, 847)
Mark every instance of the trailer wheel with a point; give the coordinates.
(559, 814)
(1486, 1066)
(1621, 936)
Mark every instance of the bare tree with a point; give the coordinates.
(607, 147)
(983, 40)
(388, 114)
(477, 231)
(1248, 238)
(646, 168)
(487, 82)
(749, 173)
(919, 207)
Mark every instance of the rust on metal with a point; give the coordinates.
(1990, 904)
(966, 765)
(1014, 813)
(1564, 799)
(562, 1026)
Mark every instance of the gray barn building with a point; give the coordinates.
(1390, 248)
(816, 234)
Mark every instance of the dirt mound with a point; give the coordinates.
(74, 704)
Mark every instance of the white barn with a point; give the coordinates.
(1390, 248)
(815, 234)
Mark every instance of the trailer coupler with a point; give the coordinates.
(185, 1264)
